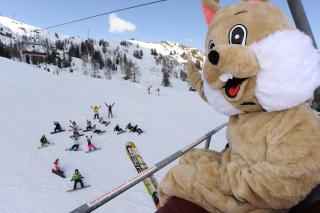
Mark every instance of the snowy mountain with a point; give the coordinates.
(138, 61)
(34, 100)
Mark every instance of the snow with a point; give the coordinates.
(32, 99)
(35, 39)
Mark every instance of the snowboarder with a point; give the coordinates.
(110, 110)
(77, 178)
(44, 140)
(96, 111)
(158, 90)
(149, 89)
(95, 130)
(117, 129)
(75, 129)
(103, 122)
(73, 124)
(129, 126)
(90, 145)
(75, 132)
(75, 146)
(137, 129)
(89, 127)
(57, 127)
(56, 166)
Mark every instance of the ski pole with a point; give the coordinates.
(101, 200)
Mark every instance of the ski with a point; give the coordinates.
(72, 190)
(96, 149)
(58, 173)
(150, 182)
(45, 145)
(89, 130)
(57, 131)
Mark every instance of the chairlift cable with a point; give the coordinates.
(106, 13)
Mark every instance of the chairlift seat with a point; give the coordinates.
(177, 205)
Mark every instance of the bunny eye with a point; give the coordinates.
(211, 45)
(238, 35)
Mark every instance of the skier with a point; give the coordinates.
(110, 109)
(90, 145)
(57, 127)
(77, 178)
(75, 146)
(117, 129)
(44, 140)
(56, 166)
(96, 111)
(95, 130)
(89, 127)
(129, 126)
(158, 90)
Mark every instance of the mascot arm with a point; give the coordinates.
(195, 80)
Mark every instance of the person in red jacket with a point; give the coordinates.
(56, 166)
(91, 147)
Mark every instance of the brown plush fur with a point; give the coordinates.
(266, 167)
(274, 157)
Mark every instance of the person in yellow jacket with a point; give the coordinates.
(96, 111)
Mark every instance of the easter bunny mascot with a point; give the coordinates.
(259, 71)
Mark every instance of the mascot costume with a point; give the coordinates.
(260, 71)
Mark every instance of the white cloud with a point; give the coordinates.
(119, 25)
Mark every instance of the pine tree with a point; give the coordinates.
(167, 69)
(83, 49)
(77, 52)
(118, 59)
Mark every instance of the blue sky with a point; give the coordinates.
(175, 20)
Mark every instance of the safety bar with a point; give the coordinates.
(101, 200)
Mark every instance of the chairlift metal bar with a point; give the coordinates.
(300, 18)
(101, 200)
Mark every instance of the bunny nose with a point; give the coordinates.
(213, 57)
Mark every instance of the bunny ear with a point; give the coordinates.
(210, 8)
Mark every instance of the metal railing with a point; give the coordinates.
(101, 200)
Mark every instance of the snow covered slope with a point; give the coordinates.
(72, 54)
(32, 99)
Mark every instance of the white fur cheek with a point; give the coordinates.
(290, 70)
(218, 102)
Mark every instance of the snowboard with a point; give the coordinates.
(45, 145)
(150, 182)
(100, 132)
(58, 173)
(57, 131)
(97, 149)
(106, 124)
(121, 132)
(72, 190)
(72, 136)
(71, 150)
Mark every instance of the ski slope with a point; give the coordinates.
(31, 99)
